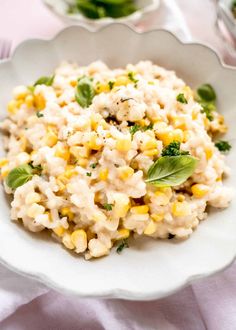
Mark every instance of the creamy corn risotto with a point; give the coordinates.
(96, 155)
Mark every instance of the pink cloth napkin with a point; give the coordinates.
(207, 304)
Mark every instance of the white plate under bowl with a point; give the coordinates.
(149, 269)
(60, 9)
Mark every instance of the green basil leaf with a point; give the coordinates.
(84, 92)
(206, 93)
(48, 81)
(19, 176)
(171, 170)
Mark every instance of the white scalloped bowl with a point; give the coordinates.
(60, 9)
(149, 269)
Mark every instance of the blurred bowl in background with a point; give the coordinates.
(60, 8)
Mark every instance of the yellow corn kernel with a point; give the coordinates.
(79, 239)
(39, 101)
(123, 144)
(98, 197)
(149, 144)
(178, 135)
(151, 153)
(3, 162)
(125, 172)
(12, 107)
(181, 209)
(209, 153)
(32, 197)
(73, 83)
(195, 114)
(66, 212)
(63, 152)
(93, 143)
(179, 122)
(59, 231)
(180, 198)
(34, 210)
(102, 88)
(123, 233)
(121, 81)
(165, 136)
(70, 171)
(151, 228)
(162, 199)
(66, 240)
(82, 162)
(95, 120)
(143, 122)
(167, 191)
(29, 101)
(158, 217)
(5, 172)
(142, 209)
(104, 125)
(219, 179)
(51, 138)
(99, 216)
(103, 174)
(122, 206)
(23, 142)
(20, 92)
(80, 152)
(160, 125)
(199, 190)
(60, 184)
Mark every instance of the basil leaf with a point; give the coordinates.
(19, 176)
(206, 93)
(171, 170)
(84, 92)
(48, 81)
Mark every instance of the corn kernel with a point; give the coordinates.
(121, 81)
(122, 206)
(61, 184)
(102, 88)
(149, 144)
(165, 136)
(95, 120)
(32, 197)
(51, 138)
(151, 228)
(180, 198)
(4, 172)
(99, 216)
(23, 142)
(123, 233)
(12, 107)
(144, 122)
(181, 209)
(186, 136)
(73, 82)
(63, 152)
(29, 101)
(20, 92)
(161, 198)
(66, 212)
(80, 152)
(40, 101)
(103, 174)
(178, 135)
(151, 153)
(158, 217)
(123, 144)
(70, 171)
(34, 210)
(82, 162)
(66, 240)
(59, 231)
(209, 153)
(93, 143)
(179, 122)
(79, 240)
(125, 172)
(199, 190)
(142, 209)
(3, 162)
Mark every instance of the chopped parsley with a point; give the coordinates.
(39, 114)
(223, 146)
(124, 244)
(173, 149)
(133, 129)
(208, 108)
(88, 173)
(181, 98)
(131, 76)
(108, 207)
(93, 165)
(206, 96)
(150, 126)
(111, 84)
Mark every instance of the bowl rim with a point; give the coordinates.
(117, 292)
(80, 18)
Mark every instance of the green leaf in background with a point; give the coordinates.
(19, 176)
(171, 170)
(206, 93)
(48, 81)
(84, 92)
